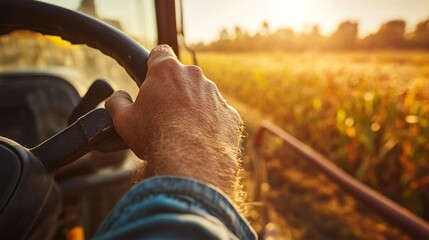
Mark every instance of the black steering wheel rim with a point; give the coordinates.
(19, 217)
(76, 28)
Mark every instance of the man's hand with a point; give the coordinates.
(180, 124)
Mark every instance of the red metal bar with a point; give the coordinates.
(391, 211)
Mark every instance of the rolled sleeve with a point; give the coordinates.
(170, 207)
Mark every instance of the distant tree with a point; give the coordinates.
(241, 40)
(390, 35)
(421, 35)
(265, 28)
(285, 33)
(315, 39)
(223, 34)
(345, 37)
(315, 32)
(285, 39)
(239, 32)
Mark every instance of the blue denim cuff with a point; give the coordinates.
(170, 200)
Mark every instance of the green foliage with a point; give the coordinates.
(368, 112)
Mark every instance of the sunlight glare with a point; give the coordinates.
(290, 13)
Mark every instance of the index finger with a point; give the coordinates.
(116, 103)
(160, 53)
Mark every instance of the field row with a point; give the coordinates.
(368, 112)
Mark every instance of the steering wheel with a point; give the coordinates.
(28, 192)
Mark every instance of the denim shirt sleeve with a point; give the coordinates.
(170, 207)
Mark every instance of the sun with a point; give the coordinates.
(290, 13)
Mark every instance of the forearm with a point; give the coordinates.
(184, 152)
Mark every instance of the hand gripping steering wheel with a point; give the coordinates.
(28, 192)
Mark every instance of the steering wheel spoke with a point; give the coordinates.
(91, 131)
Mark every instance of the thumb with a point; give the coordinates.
(117, 104)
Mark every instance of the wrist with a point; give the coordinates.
(210, 164)
(191, 153)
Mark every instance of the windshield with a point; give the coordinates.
(23, 50)
(136, 18)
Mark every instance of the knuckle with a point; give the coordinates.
(211, 85)
(123, 94)
(195, 70)
(168, 63)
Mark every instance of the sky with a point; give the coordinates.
(205, 18)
